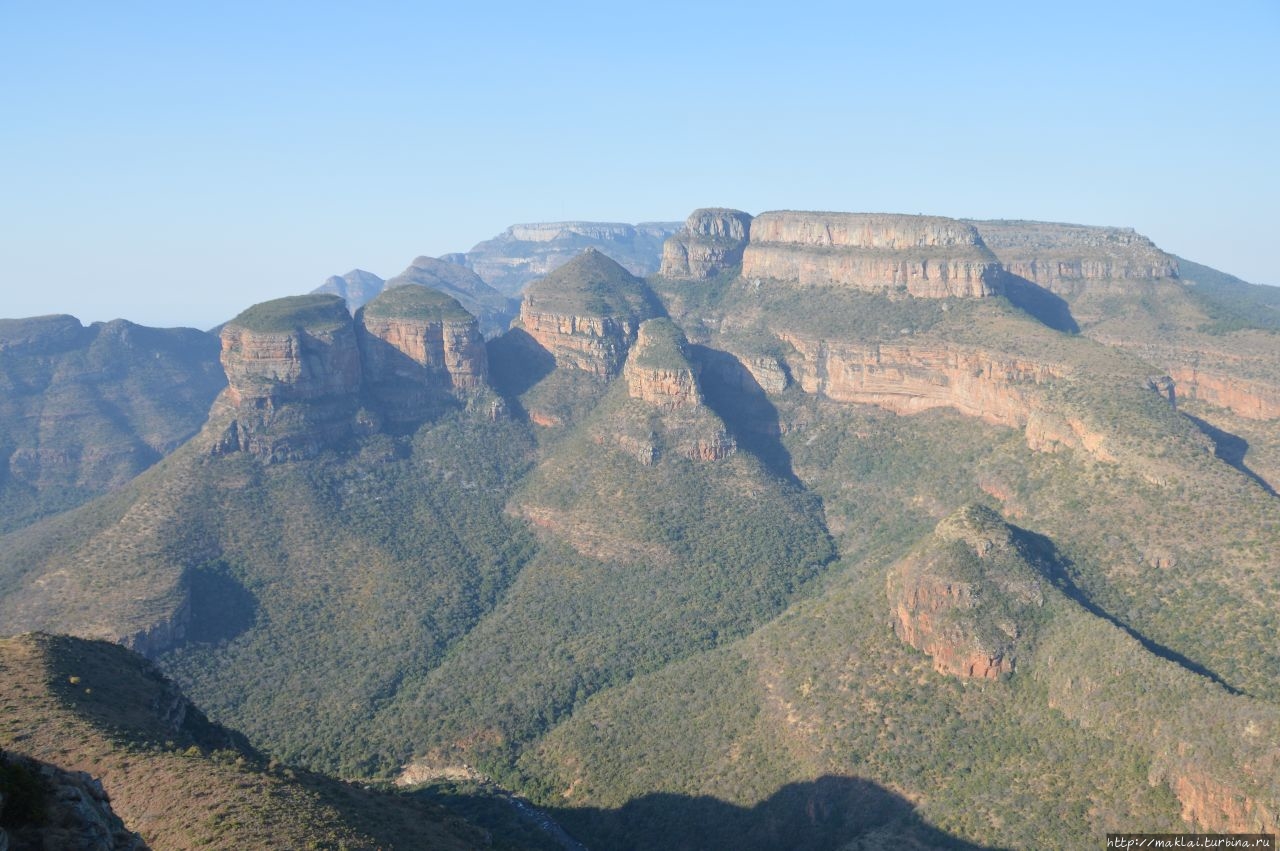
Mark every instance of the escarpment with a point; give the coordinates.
(711, 241)
(1064, 258)
(922, 256)
(586, 313)
(304, 376)
(968, 599)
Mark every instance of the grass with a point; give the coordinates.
(314, 312)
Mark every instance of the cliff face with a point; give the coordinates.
(419, 348)
(293, 376)
(912, 377)
(1063, 258)
(711, 240)
(923, 256)
(1255, 400)
(492, 309)
(587, 313)
(660, 375)
(967, 600)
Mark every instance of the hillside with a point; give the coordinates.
(178, 781)
(862, 530)
(85, 409)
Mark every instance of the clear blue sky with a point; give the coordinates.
(173, 163)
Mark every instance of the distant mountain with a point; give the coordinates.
(493, 310)
(521, 253)
(844, 530)
(85, 409)
(356, 287)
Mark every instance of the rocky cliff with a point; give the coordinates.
(1063, 258)
(586, 313)
(418, 348)
(294, 378)
(660, 375)
(924, 256)
(711, 241)
(968, 599)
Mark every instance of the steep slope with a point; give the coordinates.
(177, 780)
(83, 410)
(1087, 732)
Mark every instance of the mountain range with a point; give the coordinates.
(805, 529)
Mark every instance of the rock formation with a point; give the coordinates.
(586, 313)
(294, 377)
(77, 813)
(711, 241)
(1255, 400)
(419, 347)
(660, 375)
(923, 256)
(1062, 258)
(967, 599)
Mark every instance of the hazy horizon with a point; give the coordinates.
(172, 166)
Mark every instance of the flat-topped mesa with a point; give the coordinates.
(711, 241)
(1062, 258)
(549, 231)
(586, 313)
(419, 348)
(970, 607)
(294, 377)
(923, 256)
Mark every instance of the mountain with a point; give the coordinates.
(846, 530)
(491, 308)
(85, 409)
(356, 287)
(521, 253)
(92, 724)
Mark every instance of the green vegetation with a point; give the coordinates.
(1231, 304)
(664, 346)
(410, 301)
(316, 312)
(591, 284)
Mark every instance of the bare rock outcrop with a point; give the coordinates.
(923, 256)
(660, 376)
(294, 376)
(419, 348)
(968, 598)
(1255, 400)
(1063, 258)
(711, 241)
(586, 313)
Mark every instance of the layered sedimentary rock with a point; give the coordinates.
(711, 241)
(419, 347)
(923, 256)
(659, 374)
(587, 313)
(1255, 400)
(967, 599)
(523, 253)
(294, 378)
(1063, 258)
(911, 377)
